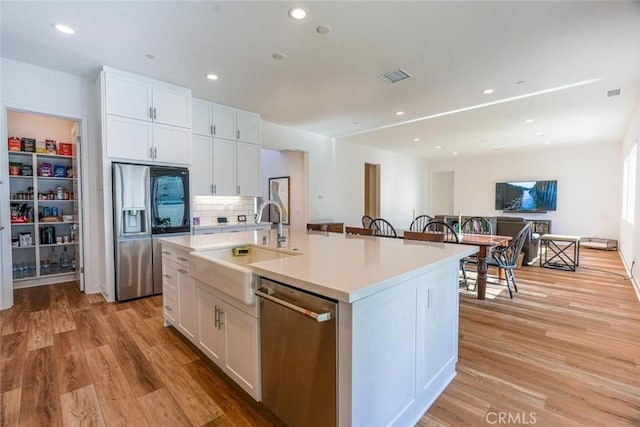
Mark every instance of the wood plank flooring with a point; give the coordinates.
(564, 352)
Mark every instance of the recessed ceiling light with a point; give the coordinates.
(438, 147)
(547, 142)
(149, 56)
(487, 91)
(455, 153)
(399, 113)
(540, 133)
(416, 139)
(297, 13)
(528, 121)
(278, 56)
(323, 29)
(211, 76)
(63, 28)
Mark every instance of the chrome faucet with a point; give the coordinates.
(281, 237)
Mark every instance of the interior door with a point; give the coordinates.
(79, 205)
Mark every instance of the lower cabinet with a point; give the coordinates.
(229, 337)
(179, 293)
(187, 305)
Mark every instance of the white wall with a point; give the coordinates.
(35, 89)
(630, 233)
(588, 178)
(336, 176)
(287, 163)
(441, 193)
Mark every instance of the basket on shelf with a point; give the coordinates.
(599, 243)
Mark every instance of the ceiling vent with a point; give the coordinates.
(614, 92)
(395, 76)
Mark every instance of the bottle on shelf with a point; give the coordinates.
(65, 261)
(55, 261)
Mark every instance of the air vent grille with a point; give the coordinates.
(395, 76)
(614, 92)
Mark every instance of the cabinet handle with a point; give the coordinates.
(151, 152)
(168, 307)
(214, 189)
(211, 191)
(215, 322)
(166, 276)
(220, 321)
(213, 129)
(155, 152)
(238, 189)
(151, 113)
(183, 258)
(238, 134)
(1, 227)
(182, 270)
(154, 113)
(166, 253)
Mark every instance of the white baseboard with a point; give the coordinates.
(633, 280)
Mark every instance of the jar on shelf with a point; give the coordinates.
(60, 193)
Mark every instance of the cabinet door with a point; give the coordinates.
(202, 123)
(172, 106)
(224, 167)
(128, 138)
(201, 179)
(248, 173)
(437, 323)
(248, 126)
(224, 122)
(172, 144)
(127, 96)
(241, 349)
(210, 337)
(187, 304)
(170, 308)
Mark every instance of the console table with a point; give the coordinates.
(557, 251)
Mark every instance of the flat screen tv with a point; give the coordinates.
(526, 196)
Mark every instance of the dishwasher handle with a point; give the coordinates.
(320, 317)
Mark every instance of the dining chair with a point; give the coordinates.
(477, 225)
(449, 235)
(366, 221)
(359, 231)
(383, 228)
(506, 257)
(419, 222)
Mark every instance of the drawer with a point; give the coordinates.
(170, 306)
(174, 255)
(169, 275)
(233, 229)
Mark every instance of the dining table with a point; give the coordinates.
(484, 242)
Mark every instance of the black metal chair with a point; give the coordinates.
(450, 236)
(366, 221)
(383, 228)
(419, 223)
(506, 257)
(477, 225)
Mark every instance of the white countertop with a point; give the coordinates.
(343, 267)
(230, 224)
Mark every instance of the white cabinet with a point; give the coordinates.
(179, 292)
(146, 120)
(229, 337)
(248, 169)
(248, 127)
(226, 158)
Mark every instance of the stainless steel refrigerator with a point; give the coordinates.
(148, 202)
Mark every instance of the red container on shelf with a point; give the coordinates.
(65, 149)
(15, 144)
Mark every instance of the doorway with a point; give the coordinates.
(372, 190)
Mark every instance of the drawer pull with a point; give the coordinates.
(167, 276)
(183, 258)
(168, 307)
(182, 270)
(166, 253)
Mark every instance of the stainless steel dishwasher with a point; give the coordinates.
(298, 343)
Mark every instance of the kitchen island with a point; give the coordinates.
(397, 299)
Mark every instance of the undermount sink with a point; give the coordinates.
(229, 273)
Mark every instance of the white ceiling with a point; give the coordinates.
(328, 84)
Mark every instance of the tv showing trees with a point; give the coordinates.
(526, 196)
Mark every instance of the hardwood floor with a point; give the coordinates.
(564, 352)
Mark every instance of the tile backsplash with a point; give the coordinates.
(209, 208)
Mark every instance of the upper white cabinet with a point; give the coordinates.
(226, 151)
(146, 120)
